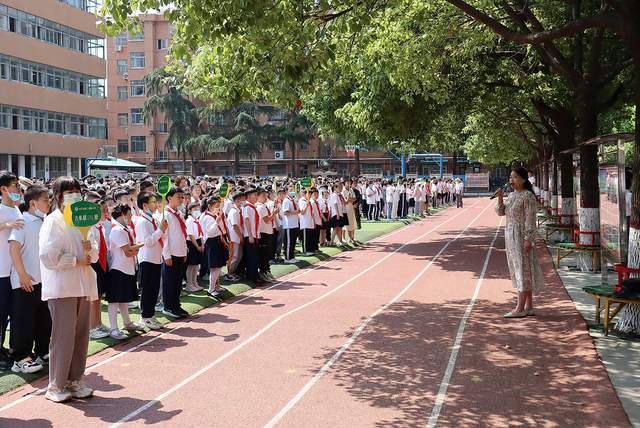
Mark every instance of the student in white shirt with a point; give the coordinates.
(30, 320)
(338, 218)
(251, 250)
(276, 205)
(325, 229)
(150, 233)
(174, 255)
(459, 192)
(68, 286)
(370, 195)
(236, 235)
(216, 245)
(10, 219)
(195, 246)
(267, 221)
(122, 288)
(307, 224)
(317, 221)
(291, 225)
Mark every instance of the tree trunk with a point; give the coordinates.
(236, 161)
(294, 164)
(356, 170)
(629, 319)
(545, 183)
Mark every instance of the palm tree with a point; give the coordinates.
(295, 130)
(164, 95)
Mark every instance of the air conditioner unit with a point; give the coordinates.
(119, 48)
(279, 155)
(126, 76)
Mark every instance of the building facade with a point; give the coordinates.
(52, 87)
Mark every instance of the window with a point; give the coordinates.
(137, 88)
(137, 59)
(57, 166)
(163, 127)
(278, 169)
(123, 66)
(121, 40)
(123, 120)
(123, 93)
(372, 168)
(123, 146)
(38, 28)
(163, 44)
(277, 146)
(138, 143)
(162, 155)
(303, 147)
(136, 116)
(137, 36)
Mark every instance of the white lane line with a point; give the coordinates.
(303, 271)
(325, 368)
(444, 385)
(266, 328)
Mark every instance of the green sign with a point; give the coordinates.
(164, 185)
(84, 214)
(305, 182)
(223, 190)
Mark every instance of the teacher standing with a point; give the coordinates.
(520, 236)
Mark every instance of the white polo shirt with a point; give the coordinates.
(7, 215)
(118, 239)
(28, 238)
(289, 216)
(264, 211)
(306, 216)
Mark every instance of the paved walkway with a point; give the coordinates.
(405, 331)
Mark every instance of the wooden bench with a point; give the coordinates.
(565, 249)
(606, 294)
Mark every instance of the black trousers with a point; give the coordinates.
(172, 283)
(5, 306)
(267, 252)
(30, 323)
(290, 238)
(150, 283)
(251, 256)
(308, 238)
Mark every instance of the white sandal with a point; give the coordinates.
(515, 314)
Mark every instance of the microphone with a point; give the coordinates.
(504, 187)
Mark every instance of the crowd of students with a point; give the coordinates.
(53, 282)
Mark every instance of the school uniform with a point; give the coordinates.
(316, 213)
(337, 206)
(7, 215)
(30, 318)
(194, 228)
(278, 231)
(122, 274)
(150, 259)
(234, 218)
(251, 250)
(291, 226)
(379, 201)
(370, 195)
(307, 224)
(266, 229)
(175, 248)
(215, 232)
(326, 218)
(101, 267)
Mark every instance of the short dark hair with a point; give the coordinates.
(7, 178)
(145, 185)
(119, 193)
(120, 210)
(237, 196)
(64, 184)
(32, 193)
(173, 191)
(144, 198)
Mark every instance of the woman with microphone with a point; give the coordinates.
(520, 237)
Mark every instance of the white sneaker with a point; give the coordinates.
(291, 262)
(133, 305)
(98, 333)
(151, 323)
(117, 334)
(308, 254)
(56, 395)
(159, 307)
(79, 389)
(134, 326)
(26, 366)
(192, 288)
(43, 360)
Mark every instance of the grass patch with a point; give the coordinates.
(195, 302)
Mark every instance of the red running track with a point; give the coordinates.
(406, 331)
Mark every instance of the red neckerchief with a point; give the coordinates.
(222, 232)
(317, 206)
(200, 232)
(342, 199)
(102, 258)
(273, 220)
(241, 218)
(183, 226)
(132, 227)
(295, 207)
(131, 240)
(155, 226)
(256, 217)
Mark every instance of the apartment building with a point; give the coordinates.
(52, 87)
